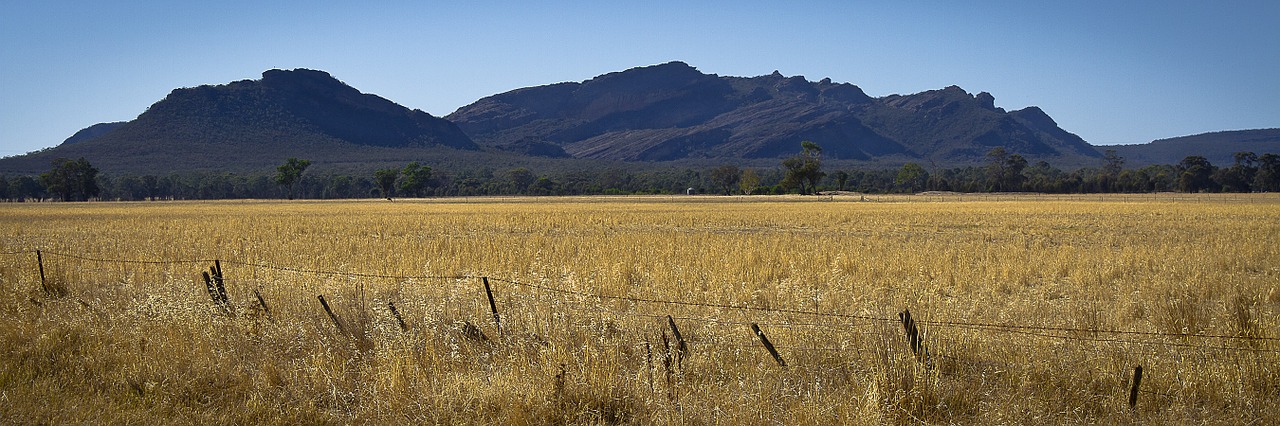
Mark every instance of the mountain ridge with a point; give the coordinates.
(1218, 147)
(668, 113)
(252, 124)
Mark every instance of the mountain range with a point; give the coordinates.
(1217, 147)
(668, 114)
(673, 112)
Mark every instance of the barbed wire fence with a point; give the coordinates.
(811, 341)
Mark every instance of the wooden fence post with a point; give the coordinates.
(682, 349)
(1133, 392)
(767, 345)
(262, 302)
(492, 306)
(40, 264)
(333, 317)
(218, 282)
(913, 334)
(211, 288)
(666, 365)
(648, 358)
(399, 319)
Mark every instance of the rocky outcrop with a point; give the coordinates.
(672, 111)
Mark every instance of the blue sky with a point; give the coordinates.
(1111, 72)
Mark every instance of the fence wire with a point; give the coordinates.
(846, 320)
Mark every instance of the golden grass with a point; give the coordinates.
(143, 343)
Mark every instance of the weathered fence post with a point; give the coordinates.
(40, 264)
(218, 282)
(681, 348)
(666, 365)
(913, 334)
(1133, 392)
(262, 302)
(399, 319)
(333, 317)
(767, 345)
(211, 288)
(648, 358)
(492, 306)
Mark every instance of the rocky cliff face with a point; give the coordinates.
(672, 111)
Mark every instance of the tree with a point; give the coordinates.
(289, 173)
(726, 177)
(749, 181)
(804, 168)
(1014, 178)
(151, 184)
(911, 177)
(1240, 176)
(1268, 176)
(386, 180)
(415, 179)
(23, 187)
(1004, 170)
(996, 159)
(71, 180)
(842, 177)
(1112, 166)
(520, 179)
(1195, 174)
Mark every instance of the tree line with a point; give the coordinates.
(78, 180)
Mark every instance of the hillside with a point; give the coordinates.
(254, 125)
(660, 116)
(674, 112)
(1218, 147)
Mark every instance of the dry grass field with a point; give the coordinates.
(1031, 310)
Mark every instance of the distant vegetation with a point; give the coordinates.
(803, 174)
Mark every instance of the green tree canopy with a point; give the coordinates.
(804, 170)
(386, 180)
(842, 177)
(415, 179)
(1268, 176)
(71, 180)
(911, 177)
(1240, 176)
(1195, 174)
(726, 177)
(1004, 170)
(520, 178)
(289, 173)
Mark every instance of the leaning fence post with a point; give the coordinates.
(1133, 392)
(40, 264)
(681, 348)
(492, 306)
(913, 334)
(767, 345)
(218, 282)
(262, 302)
(396, 314)
(333, 317)
(209, 286)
